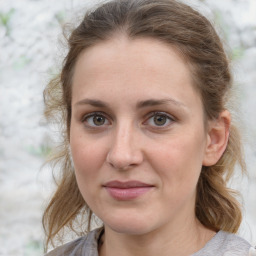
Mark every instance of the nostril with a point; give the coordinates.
(123, 160)
(119, 161)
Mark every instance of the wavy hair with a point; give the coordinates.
(196, 40)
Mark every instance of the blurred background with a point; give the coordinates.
(31, 51)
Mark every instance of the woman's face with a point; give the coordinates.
(137, 134)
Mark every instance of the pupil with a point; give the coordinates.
(160, 120)
(98, 120)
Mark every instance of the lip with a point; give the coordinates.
(127, 190)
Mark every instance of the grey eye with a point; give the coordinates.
(160, 120)
(99, 120)
(95, 120)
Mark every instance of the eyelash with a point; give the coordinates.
(168, 117)
(94, 114)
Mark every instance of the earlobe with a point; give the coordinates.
(217, 138)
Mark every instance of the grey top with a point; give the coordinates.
(222, 244)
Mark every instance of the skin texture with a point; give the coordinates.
(133, 86)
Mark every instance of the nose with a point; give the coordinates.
(125, 151)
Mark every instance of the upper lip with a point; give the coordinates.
(126, 184)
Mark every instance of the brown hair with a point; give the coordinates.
(196, 40)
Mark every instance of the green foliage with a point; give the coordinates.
(238, 52)
(221, 24)
(22, 61)
(42, 151)
(225, 30)
(61, 17)
(33, 248)
(5, 19)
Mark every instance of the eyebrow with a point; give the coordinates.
(92, 102)
(156, 102)
(140, 104)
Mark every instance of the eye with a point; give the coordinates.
(95, 120)
(159, 119)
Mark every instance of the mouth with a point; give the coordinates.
(127, 190)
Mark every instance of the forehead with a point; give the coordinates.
(123, 65)
(142, 53)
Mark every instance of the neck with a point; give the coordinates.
(186, 240)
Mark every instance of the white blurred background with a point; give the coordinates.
(30, 52)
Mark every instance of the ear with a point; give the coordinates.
(217, 138)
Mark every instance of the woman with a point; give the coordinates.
(149, 144)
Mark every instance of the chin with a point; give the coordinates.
(131, 226)
(129, 230)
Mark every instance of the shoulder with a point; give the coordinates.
(83, 246)
(72, 248)
(227, 244)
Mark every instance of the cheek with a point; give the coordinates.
(180, 160)
(88, 160)
(88, 157)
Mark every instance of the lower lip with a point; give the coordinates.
(127, 193)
